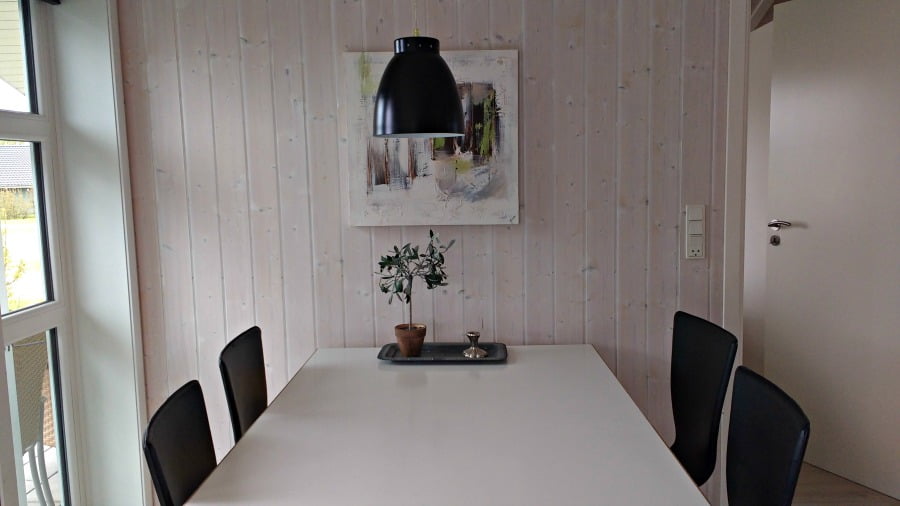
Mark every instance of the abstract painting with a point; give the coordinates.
(468, 180)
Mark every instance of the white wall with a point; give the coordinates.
(235, 132)
(833, 314)
(97, 208)
(756, 211)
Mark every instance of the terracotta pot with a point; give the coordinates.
(410, 339)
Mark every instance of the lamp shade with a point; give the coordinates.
(417, 96)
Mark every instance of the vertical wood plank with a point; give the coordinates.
(568, 171)
(622, 128)
(477, 241)
(477, 253)
(356, 242)
(293, 183)
(634, 115)
(600, 177)
(665, 154)
(223, 35)
(387, 314)
(423, 299)
(380, 30)
(716, 239)
(203, 213)
(321, 127)
(143, 197)
(400, 24)
(508, 251)
(423, 312)
(441, 20)
(402, 21)
(262, 176)
(537, 74)
(171, 194)
(696, 157)
(474, 25)
(716, 226)
(696, 161)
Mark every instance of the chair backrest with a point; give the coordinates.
(244, 376)
(702, 358)
(767, 439)
(178, 445)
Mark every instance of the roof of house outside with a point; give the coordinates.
(16, 166)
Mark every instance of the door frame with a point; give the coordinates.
(735, 194)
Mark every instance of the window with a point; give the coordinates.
(26, 280)
(35, 319)
(34, 386)
(16, 76)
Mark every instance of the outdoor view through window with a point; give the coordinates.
(24, 279)
(24, 282)
(14, 86)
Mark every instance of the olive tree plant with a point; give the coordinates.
(402, 265)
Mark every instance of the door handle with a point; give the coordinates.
(777, 224)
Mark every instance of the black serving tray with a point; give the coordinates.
(445, 353)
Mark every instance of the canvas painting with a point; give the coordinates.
(468, 180)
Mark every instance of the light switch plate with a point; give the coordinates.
(694, 247)
(695, 227)
(695, 231)
(693, 213)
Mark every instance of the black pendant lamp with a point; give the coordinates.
(417, 96)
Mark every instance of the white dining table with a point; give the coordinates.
(550, 426)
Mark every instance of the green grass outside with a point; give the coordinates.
(23, 263)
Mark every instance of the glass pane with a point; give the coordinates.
(14, 60)
(25, 278)
(34, 403)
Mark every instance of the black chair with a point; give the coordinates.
(178, 445)
(702, 358)
(244, 376)
(766, 442)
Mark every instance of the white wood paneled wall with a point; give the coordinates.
(235, 137)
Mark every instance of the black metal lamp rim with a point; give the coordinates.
(416, 44)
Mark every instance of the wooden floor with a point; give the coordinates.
(817, 486)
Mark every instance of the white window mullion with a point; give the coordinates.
(25, 127)
(69, 388)
(33, 321)
(9, 479)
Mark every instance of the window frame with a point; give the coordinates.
(39, 127)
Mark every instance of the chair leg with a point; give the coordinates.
(42, 469)
(35, 479)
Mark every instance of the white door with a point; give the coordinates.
(833, 283)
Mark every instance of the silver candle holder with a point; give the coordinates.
(474, 351)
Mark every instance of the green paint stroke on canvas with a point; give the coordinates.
(462, 165)
(367, 86)
(490, 118)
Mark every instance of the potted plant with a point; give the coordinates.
(398, 269)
